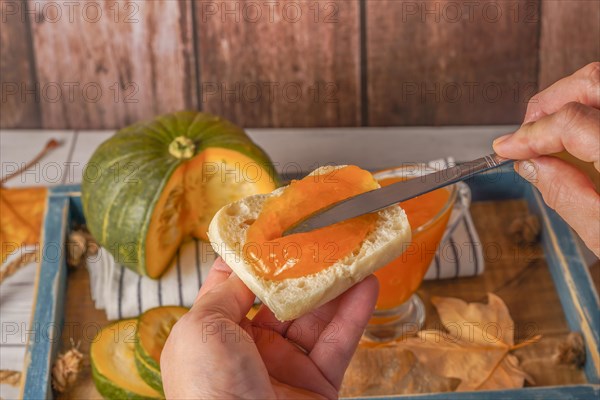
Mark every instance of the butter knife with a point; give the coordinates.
(377, 199)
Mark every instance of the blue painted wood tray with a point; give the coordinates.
(571, 277)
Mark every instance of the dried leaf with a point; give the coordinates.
(483, 323)
(476, 346)
(22, 213)
(12, 267)
(10, 377)
(50, 145)
(22, 210)
(391, 370)
(507, 375)
(450, 357)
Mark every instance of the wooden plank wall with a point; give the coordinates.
(305, 63)
(569, 38)
(150, 68)
(18, 106)
(298, 65)
(437, 63)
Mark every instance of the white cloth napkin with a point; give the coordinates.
(16, 307)
(460, 255)
(123, 293)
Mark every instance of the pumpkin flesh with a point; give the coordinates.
(113, 363)
(165, 232)
(228, 176)
(154, 327)
(192, 196)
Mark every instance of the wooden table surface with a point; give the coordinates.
(517, 274)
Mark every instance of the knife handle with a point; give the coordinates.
(494, 160)
(470, 168)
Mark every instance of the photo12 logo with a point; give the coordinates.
(54, 12)
(269, 92)
(453, 12)
(467, 92)
(70, 92)
(269, 11)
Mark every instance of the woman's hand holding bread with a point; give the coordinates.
(215, 352)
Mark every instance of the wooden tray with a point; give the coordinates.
(571, 277)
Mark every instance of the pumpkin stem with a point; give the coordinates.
(182, 148)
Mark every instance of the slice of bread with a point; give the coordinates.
(293, 297)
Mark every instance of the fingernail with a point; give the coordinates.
(528, 170)
(221, 265)
(501, 139)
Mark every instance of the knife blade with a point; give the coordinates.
(378, 199)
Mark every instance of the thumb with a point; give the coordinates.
(219, 272)
(229, 299)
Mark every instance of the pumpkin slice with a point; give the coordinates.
(152, 184)
(113, 365)
(150, 375)
(154, 327)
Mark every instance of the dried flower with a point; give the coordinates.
(525, 229)
(571, 351)
(66, 369)
(79, 245)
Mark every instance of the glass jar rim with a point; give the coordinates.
(401, 172)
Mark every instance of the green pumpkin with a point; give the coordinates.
(155, 183)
